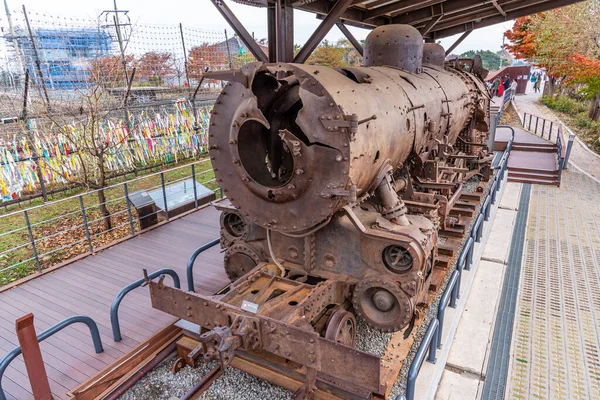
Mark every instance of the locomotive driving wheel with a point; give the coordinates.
(341, 328)
(382, 304)
(240, 259)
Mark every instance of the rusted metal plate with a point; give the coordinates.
(32, 356)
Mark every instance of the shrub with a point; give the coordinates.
(549, 101)
(568, 105)
(582, 120)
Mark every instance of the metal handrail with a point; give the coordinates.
(11, 355)
(527, 126)
(32, 245)
(429, 341)
(114, 308)
(448, 298)
(190, 265)
(433, 336)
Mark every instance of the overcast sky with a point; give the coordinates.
(203, 15)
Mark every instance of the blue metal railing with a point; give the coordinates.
(448, 298)
(433, 337)
(429, 341)
(114, 308)
(11, 355)
(189, 270)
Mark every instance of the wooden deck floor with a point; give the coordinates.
(88, 287)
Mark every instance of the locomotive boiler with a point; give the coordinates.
(338, 181)
(347, 174)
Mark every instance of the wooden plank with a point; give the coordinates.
(107, 379)
(88, 286)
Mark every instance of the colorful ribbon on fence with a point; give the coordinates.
(165, 135)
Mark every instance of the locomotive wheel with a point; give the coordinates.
(341, 328)
(397, 259)
(382, 304)
(239, 259)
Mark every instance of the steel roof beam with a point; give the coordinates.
(457, 42)
(352, 16)
(400, 7)
(434, 20)
(515, 13)
(350, 37)
(322, 30)
(237, 26)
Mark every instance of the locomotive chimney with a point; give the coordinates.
(396, 46)
(434, 54)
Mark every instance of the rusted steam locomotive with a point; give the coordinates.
(337, 182)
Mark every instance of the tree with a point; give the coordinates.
(108, 70)
(565, 41)
(206, 56)
(155, 67)
(491, 60)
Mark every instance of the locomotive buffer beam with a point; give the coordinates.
(234, 328)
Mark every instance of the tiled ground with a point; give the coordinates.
(556, 337)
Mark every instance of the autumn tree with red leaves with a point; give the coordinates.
(108, 70)
(564, 41)
(155, 67)
(211, 56)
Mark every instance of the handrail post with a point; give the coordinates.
(194, 183)
(189, 269)
(568, 152)
(448, 292)
(14, 353)
(114, 308)
(543, 125)
(524, 119)
(164, 192)
(32, 240)
(551, 124)
(537, 121)
(85, 224)
(126, 191)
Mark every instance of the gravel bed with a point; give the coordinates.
(471, 185)
(162, 384)
(369, 339)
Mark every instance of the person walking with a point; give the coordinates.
(506, 82)
(534, 81)
(538, 83)
(495, 86)
(513, 89)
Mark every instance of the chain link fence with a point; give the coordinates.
(83, 99)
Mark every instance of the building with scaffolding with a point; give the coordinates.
(64, 54)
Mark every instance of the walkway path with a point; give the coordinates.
(556, 336)
(583, 158)
(88, 287)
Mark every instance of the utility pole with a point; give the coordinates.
(117, 25)
(38, 63)
(11, 30)
(502, 51)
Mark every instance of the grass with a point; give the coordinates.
(58, 228)
(574, 113)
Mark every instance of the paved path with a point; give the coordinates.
(556, 336)
(529, 103)
(88, 287)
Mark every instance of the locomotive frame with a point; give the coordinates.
(306, 249)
